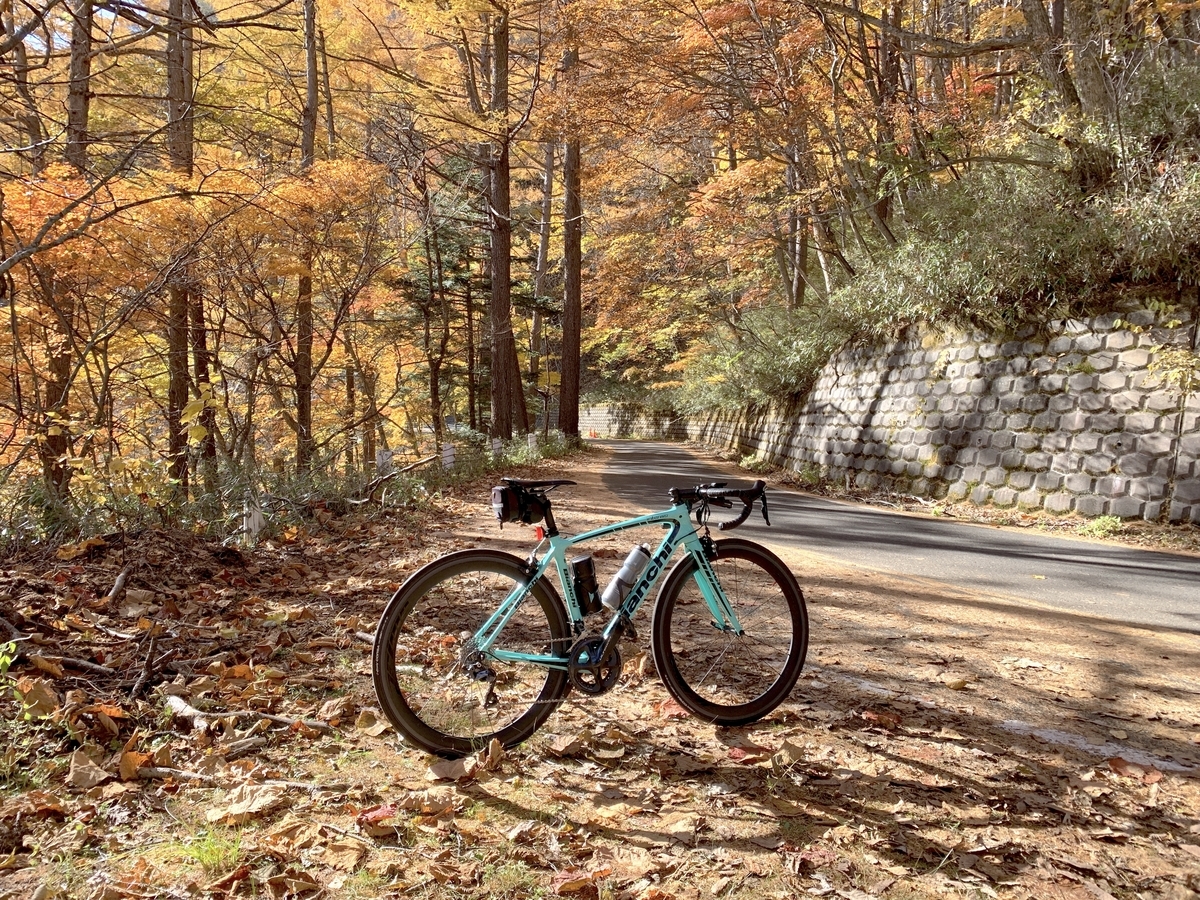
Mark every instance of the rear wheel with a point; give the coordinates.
(438, 691)
(717, 675)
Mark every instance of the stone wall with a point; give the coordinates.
(1073, 423)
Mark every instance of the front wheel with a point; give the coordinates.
(716, 675)
(435, 687)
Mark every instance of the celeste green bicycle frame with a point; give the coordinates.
(680, 531)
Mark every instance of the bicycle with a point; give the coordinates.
(479, 645)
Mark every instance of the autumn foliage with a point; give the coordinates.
(266, 239)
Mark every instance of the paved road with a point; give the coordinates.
(1136, 586)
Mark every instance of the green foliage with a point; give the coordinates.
(995, 249)
(770, 355)
(752, 462)
(1101, 527)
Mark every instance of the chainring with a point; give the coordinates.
(589, 674)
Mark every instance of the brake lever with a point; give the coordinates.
(766, 518)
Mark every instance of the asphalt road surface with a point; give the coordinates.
(1093, 578)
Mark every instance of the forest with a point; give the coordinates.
(261, 242)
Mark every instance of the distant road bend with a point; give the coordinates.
(1106, 580)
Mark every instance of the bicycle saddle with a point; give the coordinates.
(535, 485)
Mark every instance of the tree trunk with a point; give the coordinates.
(330, 132)
(1050, 52)
(351, 414)
(568, 400)
(201, 367)
(79, 88)
(472, 373)
(508, 394)
(180, 152)
(1087, 39)
(55, 449)
(543, 263)
(30, 118)
(304, 294)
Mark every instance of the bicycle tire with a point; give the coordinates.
(418, 665)
(718, 676)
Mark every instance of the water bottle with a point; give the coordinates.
(623, 581)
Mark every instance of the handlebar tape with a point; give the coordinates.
(742, 517)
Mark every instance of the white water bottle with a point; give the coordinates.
(626, 577)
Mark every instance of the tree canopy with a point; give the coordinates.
(283, 235)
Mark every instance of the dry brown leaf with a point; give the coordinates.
(226, 884)
(669, 709)
(788, 755)
(369, 722)
(246, 802)
(131, 761)
(565, 746)
(38, 698)
(344, 854)
(72, 551)
(492, 758)
(49, 666)
(339, 708)
(453, 769)
(293, 834)
(682, 827)
(572, 881)
(435, 802)
(291, 883)
(1127, 769)
(627, 861)
(84, 772)
(615, 809)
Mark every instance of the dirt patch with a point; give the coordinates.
(210, 730)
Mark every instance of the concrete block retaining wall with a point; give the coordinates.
(1073, 423)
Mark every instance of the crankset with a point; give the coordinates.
(589, 674)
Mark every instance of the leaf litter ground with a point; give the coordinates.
(208, 729)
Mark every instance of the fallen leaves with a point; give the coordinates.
(572, 881)
(1126, 769)
(85, 773)
(246, 802)
(873, 780)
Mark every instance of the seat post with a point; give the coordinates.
(551, 528)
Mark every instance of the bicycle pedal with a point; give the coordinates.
(628, 632)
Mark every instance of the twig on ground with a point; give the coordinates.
(118, 585)
(14, 633)
(363, 636)
(314, 724)
(184, 710)
(150, 772)
(147, 668)
(83, 664)
(188, 666)
(244, 747)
